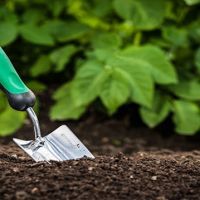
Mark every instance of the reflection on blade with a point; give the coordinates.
(41, 153)
(59, 145)
(67, 144)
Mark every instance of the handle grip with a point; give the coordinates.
(19, 96)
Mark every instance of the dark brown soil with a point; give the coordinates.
(157, 175)
(152, 165)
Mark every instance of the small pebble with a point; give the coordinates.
(16, 169)
(154, 178)
(141, 154)
(182, 157)
(131, 177)
(22, 158)
(157, 161)
(14, 156)
(34, 190)
(90, 168)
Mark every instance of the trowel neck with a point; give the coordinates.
(35, 122)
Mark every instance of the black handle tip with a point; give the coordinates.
(21, 101)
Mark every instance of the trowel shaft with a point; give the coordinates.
(35, 122)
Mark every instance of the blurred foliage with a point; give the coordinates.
(116, 52)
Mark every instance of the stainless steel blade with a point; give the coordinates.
(59, 145)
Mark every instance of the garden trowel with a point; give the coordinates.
(59, 145)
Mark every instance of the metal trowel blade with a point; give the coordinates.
(59, 145)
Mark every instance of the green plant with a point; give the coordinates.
(119, 51)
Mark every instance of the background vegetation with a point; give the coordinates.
(111, 52)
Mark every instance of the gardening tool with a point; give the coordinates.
(59, 145)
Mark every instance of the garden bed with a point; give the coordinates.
(151, 165)
(159, 175)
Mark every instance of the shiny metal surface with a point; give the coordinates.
(35, 122)
(59, 145)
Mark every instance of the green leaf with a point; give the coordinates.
(186, 117)
(134, 73)
(106, 41)
(192, 2)
(113, 82)
(65, 31)
(41, 66)
(115, 91)
(3, 102)
(65, 107)
(194, 30)
(62, 91)
(144, 14)
(136, 64)
(85, 12)
(8, 15)
(187, 89)
(169, 10)
(33, 16)
(156, 62)
(92, 75)
(104, 45)
(56, 7)
(88, 82)
(102, 54)
(36, 35)
(158, 113)
(8, 33)
(101, 8)
(61, 56)
(54, 26)
(197, 60)
(176, 36)
(10, 121)
(36, 86)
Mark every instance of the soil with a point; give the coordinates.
(131, 162)
(143, 175)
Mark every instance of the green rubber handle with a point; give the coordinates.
(19, 96)
(9, 78)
